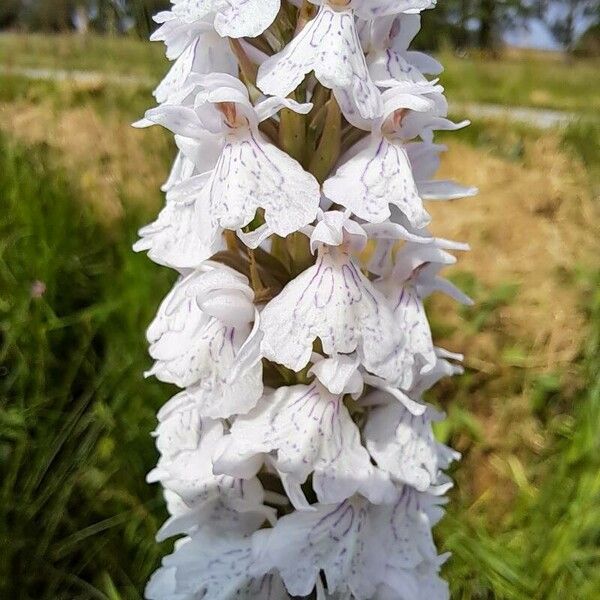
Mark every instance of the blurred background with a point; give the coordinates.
(77, 519)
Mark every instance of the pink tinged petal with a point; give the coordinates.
(335, 302)
(378, 176)
(329, 45)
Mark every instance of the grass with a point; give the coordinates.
(547, 546)
(523, 79)
(76, 517)
(122, 55)
(75, 415)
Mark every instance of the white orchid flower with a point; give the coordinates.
(196, 49)
(251, 173)
(403, 444)
(329, 46)
(335, 302)
(197, 338)
(185, 441)
(389, 59)
(379, 175)
(359, 546)
(309, 430)
(213, 566)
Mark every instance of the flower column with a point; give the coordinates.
(299, 459)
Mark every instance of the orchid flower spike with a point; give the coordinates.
(298, 459)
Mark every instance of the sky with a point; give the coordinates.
(537, 35)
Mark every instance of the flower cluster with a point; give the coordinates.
(299, 458)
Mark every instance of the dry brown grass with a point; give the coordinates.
(533, 224)
(109, 160)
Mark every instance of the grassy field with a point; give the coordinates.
(541, 80)
(76, 517)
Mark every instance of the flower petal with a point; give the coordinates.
(373, 179)
(186, 441)
(253, 173)
(213, 566)
(329, 45)
(327, 539)
(335, 302)
(182, 236)
(310, 431)
(194, 348)
(404, 445)
(359, 546)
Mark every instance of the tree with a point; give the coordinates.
(141, 12)
(9, 13)
(464, 23)
(566, 16)
(496, 16)
(48, 15)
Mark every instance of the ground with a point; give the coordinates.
(524, 517)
